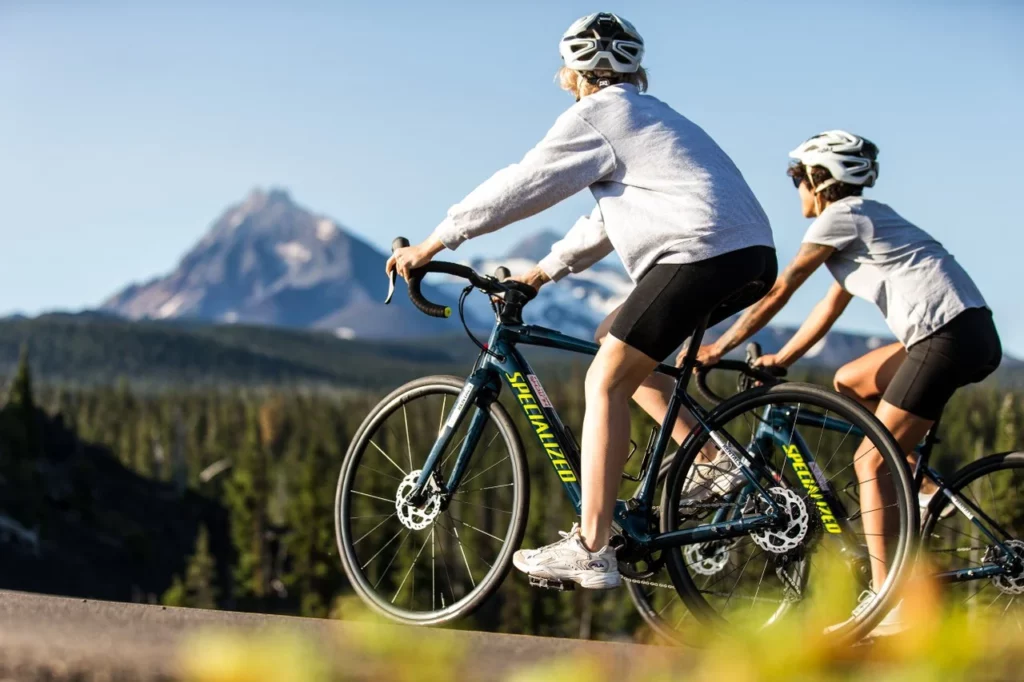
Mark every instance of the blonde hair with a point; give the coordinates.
(572, 81)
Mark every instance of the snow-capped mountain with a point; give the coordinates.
(270, 261)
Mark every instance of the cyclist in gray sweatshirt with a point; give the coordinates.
(679, 214)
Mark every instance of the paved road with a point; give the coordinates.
(57, 638)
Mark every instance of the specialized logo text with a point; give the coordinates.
(810, 484)
(540, 425)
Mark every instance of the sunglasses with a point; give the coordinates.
(797, 180)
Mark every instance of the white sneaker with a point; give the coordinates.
(718, 477)
(569, 559)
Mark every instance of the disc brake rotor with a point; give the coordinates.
(411, 516)
(707, 558)
(1011, 584)
(781, 540)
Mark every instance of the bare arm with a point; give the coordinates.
(817, 324)
(807, 260)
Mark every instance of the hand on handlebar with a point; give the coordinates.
(409, 257)
(769, 361)
(707, 355)
(535, 278)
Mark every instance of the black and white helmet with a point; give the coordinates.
(849, 158)
(602, 41)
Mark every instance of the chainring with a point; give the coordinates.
(794, 510)
(413, 517)
(1011, 584)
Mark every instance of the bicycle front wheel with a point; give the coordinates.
(811, 447)
(954, 544)
(430, 564)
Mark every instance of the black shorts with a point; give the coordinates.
(964, 351)
(670, 300)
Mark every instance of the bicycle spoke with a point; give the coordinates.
(482, 506)
(759, 583)
(411, 567)
(462, 549)
(490, 487)
(376, 497)
(408, 437)
(502, 461)
(475, 528)
(404, 473)
(392, 562)
(363, 537)
(393, 537)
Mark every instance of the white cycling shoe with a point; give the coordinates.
(716, 478)
(569, 560)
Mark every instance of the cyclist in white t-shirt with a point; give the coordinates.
(946, 336)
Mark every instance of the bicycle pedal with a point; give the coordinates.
(551, 584)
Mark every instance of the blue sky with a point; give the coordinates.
(126, 128)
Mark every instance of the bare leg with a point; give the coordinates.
(653, 395)
(865, 380)
(875, 491)
(616, 373)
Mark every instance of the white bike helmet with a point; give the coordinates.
(849, 158)
(602, 41)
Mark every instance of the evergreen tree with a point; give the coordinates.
(246, 497)
(199, 588)
(21, 396)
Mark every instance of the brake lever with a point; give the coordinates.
(391, 286)
(398, 243)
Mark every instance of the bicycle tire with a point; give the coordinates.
(857, 625)
(466, 605)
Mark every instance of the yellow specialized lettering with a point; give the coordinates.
(543, 430)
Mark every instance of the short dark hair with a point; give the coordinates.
(819, 175)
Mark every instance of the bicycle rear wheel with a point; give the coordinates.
(432, 564)
(760, 578)
(951, 542)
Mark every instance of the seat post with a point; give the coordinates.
(690, 361)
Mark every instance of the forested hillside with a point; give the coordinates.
(230, 493)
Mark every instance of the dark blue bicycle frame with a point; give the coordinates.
(501, 363)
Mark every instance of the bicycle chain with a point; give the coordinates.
(648, 583)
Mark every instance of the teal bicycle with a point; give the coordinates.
(972, 533)
(434, 489)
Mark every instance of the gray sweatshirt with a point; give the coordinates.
(666, 193)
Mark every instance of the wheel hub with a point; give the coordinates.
(707, 558)
(411, 516)
(794, 512)
(1012, 584)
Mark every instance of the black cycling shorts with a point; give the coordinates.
(963, 351)
(671, 299)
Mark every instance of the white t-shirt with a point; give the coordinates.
(881, 257)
